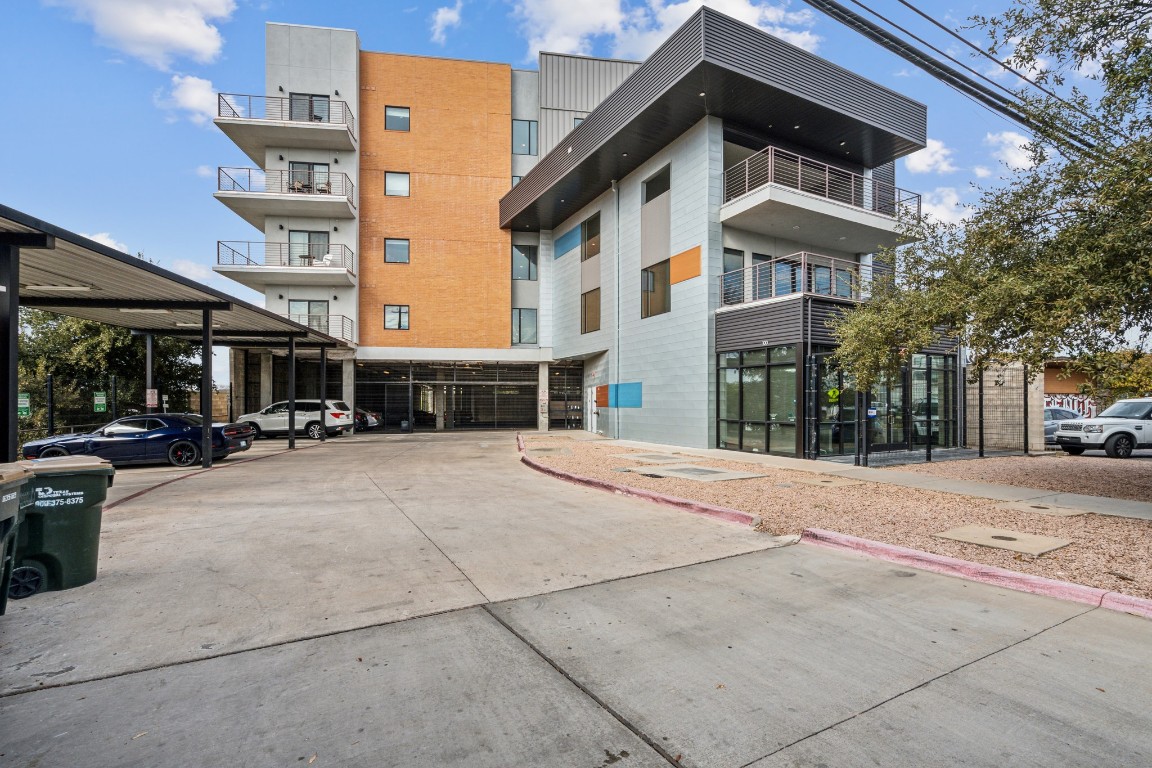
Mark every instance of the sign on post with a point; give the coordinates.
(151, 398)
(23, 404)
(165, 399)
(99, 402)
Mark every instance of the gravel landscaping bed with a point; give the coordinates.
(1106, 552)
(1094, 475)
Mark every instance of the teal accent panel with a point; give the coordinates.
(630, 395)
(566, 242)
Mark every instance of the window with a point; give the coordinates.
(308, 178)
(590, 238)
(523, 326)
(396, 317)
(395, 251)
(658, 184)
(313, 314)
(396, 118)
(656, 289)
(524, 137)
(576, 122)
(308, 107)
(396, 184)
(304, 247)
(523, 262)
(590, 311)
(516, 180)
(732, 283)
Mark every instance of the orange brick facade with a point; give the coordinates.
(457, 284)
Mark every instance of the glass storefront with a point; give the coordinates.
(757, 400)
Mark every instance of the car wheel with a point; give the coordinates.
(1119, 446)
(314, 430)
(29, 578)
(48, 453)
(183, 453)
(257, 433)
(1073, 450)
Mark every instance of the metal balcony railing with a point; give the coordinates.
(286, 182)
(257, 254)
(787, 169)
(296, 108)
(798, 273)
(337, 326)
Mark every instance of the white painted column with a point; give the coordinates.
(543, 398)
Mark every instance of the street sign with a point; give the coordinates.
(99, 402)
(23, 404)
(151, 398)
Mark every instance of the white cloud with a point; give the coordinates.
(981, 172)
(445, 18)
(1009, 148)
(193, 270)
(105, 238)
(634, 29)
(943, 204)
(905, 72)
(194, 96)
(934, 158)
(205, 171)
(156, 31)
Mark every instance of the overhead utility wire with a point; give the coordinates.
(942, 71)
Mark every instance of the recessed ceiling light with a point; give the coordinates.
(843, 143)
(624, 154)
(842, 237)
(796, 127)
(58, 287)
(702, 93)
(797, 226)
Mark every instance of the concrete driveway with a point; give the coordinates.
(428, 601)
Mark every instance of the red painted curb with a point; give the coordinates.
(985, 574)
(696, 507)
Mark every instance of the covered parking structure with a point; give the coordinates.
(47, 267)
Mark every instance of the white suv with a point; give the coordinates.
(273, 420)
(1122, 428)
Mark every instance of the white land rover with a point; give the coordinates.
(1122, 428)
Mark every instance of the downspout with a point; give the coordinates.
(616, 368)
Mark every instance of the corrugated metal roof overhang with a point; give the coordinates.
(749, 78)
(112, 277)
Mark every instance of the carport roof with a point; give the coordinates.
(83, 278)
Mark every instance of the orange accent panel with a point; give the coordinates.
(685, 266)
(602, 396)
(458, 284)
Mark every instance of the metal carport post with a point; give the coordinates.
(206, 391)
(291, 392)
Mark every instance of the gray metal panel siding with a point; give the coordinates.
(745, 49)
(820, 313)
(765, 325)
(579, 83)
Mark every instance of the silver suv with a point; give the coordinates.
(273, 420)
(1122, 428)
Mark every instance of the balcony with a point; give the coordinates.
(255, 123)
(254, 194)
(337, 326)
(258, 265)
(782, 194)
(796, 274)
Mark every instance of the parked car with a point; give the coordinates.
(1122, 428)
(1052, 419)
(273, 420)
(146, 439)
(366, 420)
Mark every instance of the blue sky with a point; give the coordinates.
(109, 130)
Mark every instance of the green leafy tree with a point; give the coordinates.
(1057, 260)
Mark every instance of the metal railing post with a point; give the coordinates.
(51, 403)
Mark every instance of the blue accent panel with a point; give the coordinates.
(566, 242)
(629, 395)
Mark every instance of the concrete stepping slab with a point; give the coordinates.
(693, 472)
(650, 458)
(827, 482)
(556, 451)
(1001, 538)
(1042, 508)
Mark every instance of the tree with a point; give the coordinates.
(1058, 260)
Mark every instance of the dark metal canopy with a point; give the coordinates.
(717, 66)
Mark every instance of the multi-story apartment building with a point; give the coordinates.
(647, 250)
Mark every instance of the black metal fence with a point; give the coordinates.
(1004, 410)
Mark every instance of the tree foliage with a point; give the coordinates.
(1058, 259)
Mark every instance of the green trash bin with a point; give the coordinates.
(12, 480)
(58, 537)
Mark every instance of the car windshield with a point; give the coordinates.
(1132, 409)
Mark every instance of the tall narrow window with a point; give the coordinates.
(576, 121)
(658, 184)
(396, 317)
(523, 262)
(524, 326)
(397, 118)
(396, 251)
(524, 137)
(732, 283)
(656, 289)
(590, 311)
(590, 238)
(396, 184)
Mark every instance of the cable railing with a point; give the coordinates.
(234, 253)
(798, 273)
(286, 182)
(337, 326)
(787, 169)
(297, 108)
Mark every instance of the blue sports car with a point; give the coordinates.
(146, 439)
